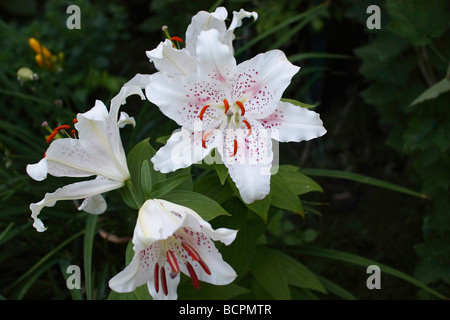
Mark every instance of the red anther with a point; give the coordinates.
(195, 282)
(73, 133)
(235, 149)
(45, 154)
(203, 111)
(51, 136)
(241, 106)
(205, 136)
(163, 281)
(75, 120)
(178, 39)
(194, 254)
(63, 127)
(249, 127)
(173, 261)
(56, 131)
(205, 267)
(227, 105)
(156, 277)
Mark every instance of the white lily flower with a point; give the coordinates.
(172, 61)
(97, 151)
(236, 109)
(169, 239)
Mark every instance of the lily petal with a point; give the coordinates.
(38, 171)
(235, 23)
(182, 149)
(134, 275)
(94, 205)
(125, 119)
(172, 61)
(75, 191)
(259, 83)
(215, 59)
(204, 21)
(250, 166)
(80, 158)
(294, 123)
(183, 98)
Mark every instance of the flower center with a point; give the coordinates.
(232, 119)
(172, 257)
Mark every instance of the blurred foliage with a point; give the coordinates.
(407, 66)
(394, 66)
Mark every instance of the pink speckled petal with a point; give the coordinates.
(259, 83)
(250, 166)
(294, 123)
(182, 99)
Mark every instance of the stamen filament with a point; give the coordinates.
(194, 254)
(249, 127)
(202, 112)
(241, 106)
(173, 261)
(195, 282)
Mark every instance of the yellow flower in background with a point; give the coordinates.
(43, 55)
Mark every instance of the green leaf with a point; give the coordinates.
(283, 197)
(362, 179)
(297, 274)
(206, 207)
(336, 289)
(263, 36)
(418, 20)
(122, 296)
(358, 260)
(44, 259)
(268, 271)
(239, 253)
(260, 207)
(433, 92)
(222, 172)
(89, 233)
(297, 181)
(162, 188)
(317, 55)
(299, 104)
(146, 178)
(211, 187)
(137, 193)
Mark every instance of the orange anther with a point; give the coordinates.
(178, 39)
(56, 131)
(235, 149)
(241, 106)
(203, 111)
(205, 136)
(226, 104)
(249, 127)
